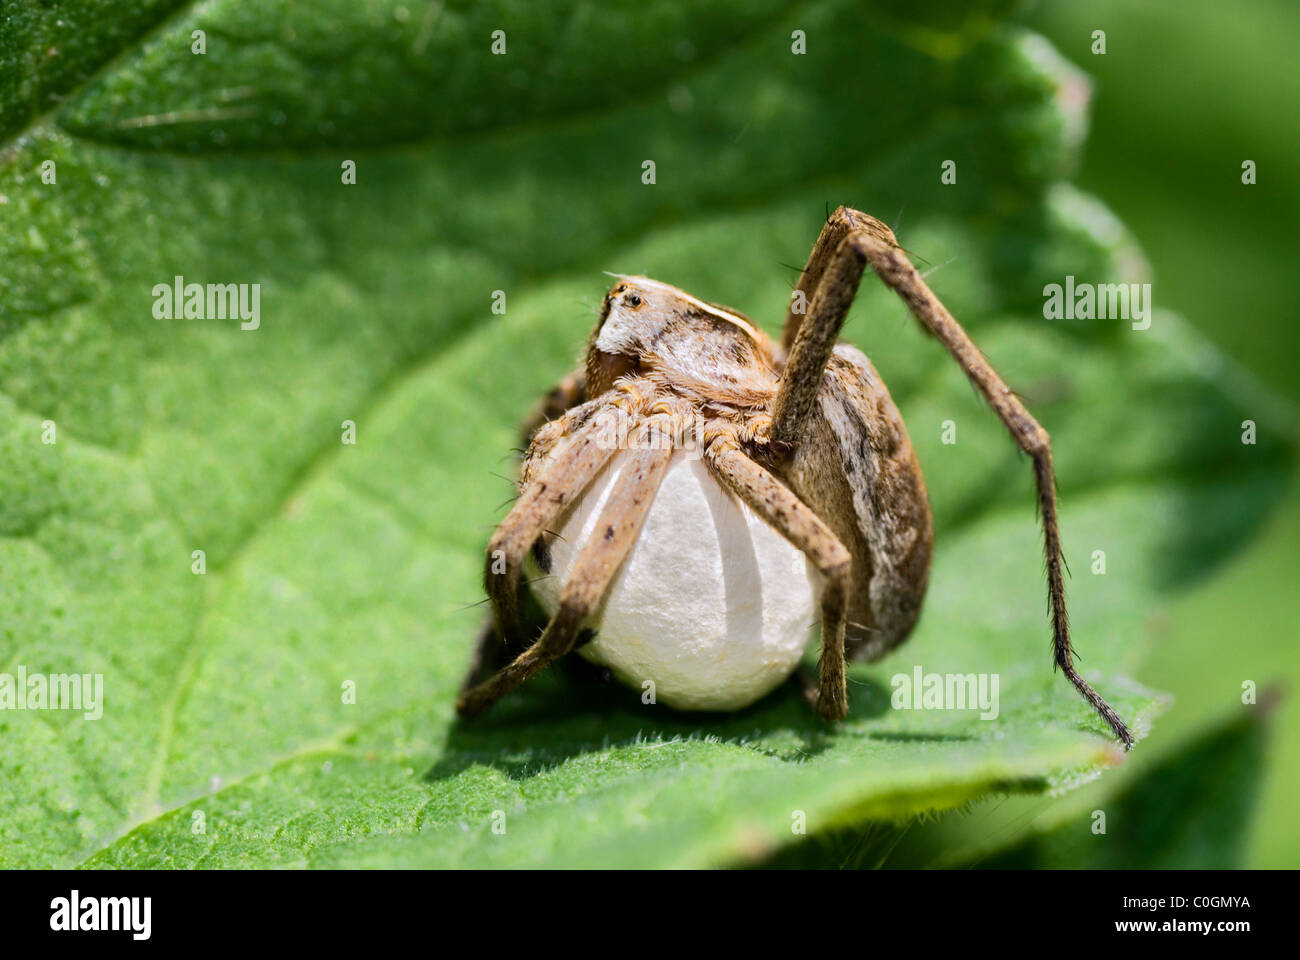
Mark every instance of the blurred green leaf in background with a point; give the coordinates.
(227, 738)
(1186, 92)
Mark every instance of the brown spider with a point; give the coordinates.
(804, 433)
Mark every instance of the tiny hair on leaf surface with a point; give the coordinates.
(333, 567)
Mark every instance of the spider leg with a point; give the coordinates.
(828, 283)
(489, 654)
(838, 226)
(793, 519)
(617, 529)
(543, 499)
(850, 241)
(561, 398)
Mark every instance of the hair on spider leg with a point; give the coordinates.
(898, 218)
(849, 678)
(913, 255)
(938, 266)
(799, 271)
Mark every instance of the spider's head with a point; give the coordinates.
(645, 325)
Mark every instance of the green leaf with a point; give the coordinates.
(1193, 810)
(225, 739)
(1190, 809)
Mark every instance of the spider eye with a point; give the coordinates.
(634, 300)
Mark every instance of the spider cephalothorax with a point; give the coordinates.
(802, 433)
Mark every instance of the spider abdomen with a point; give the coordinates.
(858, 469)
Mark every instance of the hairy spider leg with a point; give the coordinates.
(592, 443)
(617, 528)
(793, 519)
(848, 243)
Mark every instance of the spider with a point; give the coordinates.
(803, 433)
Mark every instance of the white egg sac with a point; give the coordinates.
(712, 605)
